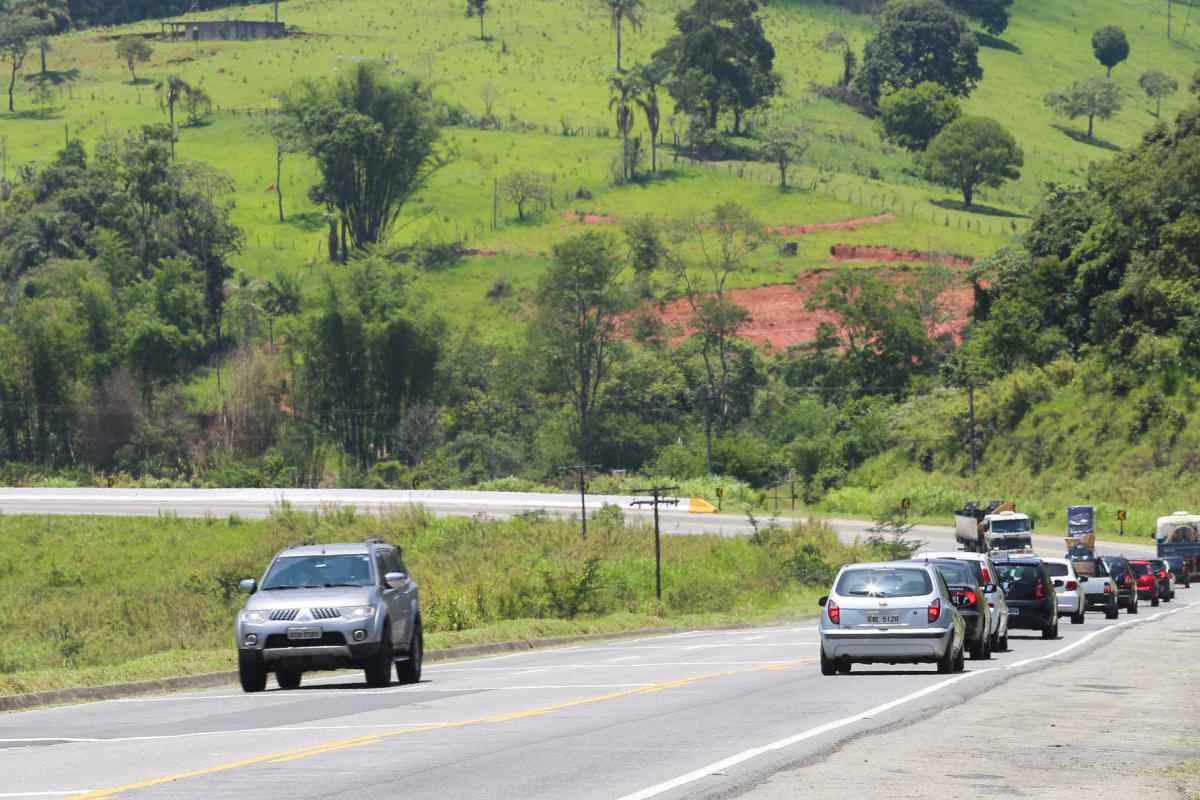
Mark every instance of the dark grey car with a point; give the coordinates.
(332, 606)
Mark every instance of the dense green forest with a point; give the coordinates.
(151, 337)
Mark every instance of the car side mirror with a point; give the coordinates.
(823, 601)
(248, 586)
(396, 580)
(988, 588)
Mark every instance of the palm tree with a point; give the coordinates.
(649, 77)
(623, 93)
(624, 11)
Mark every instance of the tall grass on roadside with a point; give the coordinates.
(97, 592)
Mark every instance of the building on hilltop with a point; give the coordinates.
(223, 30)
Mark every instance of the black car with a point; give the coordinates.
(1179, 567)
(1029, 590)
(1122, 572)
(970, 598)
(1166, 578)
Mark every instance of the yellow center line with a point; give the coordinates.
(344, 744)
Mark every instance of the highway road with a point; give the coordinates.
(258, 503)
(693, 715)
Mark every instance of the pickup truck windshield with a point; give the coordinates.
(884, 583)
(317, 572)
(1010, 526)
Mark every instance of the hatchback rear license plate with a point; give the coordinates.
(301, 634)
(883, 619)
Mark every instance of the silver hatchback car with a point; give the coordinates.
(331, 606)
(890, 613)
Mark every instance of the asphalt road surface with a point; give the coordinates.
(692, 715)
(257, 503)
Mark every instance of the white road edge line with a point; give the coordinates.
(811, 733)
(46, 794)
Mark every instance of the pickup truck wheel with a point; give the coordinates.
(828, 665)
(410, 671)
(379, 666)
(288, 678)
(1077, 619)
(252, 675)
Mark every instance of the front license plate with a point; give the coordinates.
(883, 619)
(302, 634)
(1014, 612)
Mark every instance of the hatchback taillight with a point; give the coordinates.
(984, 574)
(835, 613)
(965, 598)
(1128, 581)
(1162, 574)
(1107, 588)
(1072, 586)
(1039, 591)
(935, 610)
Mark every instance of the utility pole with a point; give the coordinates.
(581, 470)
(658, 498)
(971, 422)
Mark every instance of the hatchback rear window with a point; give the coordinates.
(1019, 573)
(884, 582)
(1140, 569)
(1057, 570)
(956, 572)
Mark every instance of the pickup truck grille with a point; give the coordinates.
(325, 613)
(284, 614)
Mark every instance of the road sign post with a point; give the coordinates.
(658, 498)
(905, 505)
(1121, 520)
(720, 496)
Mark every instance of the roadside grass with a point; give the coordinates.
(108, 599)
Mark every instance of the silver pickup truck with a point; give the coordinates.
(1097, 586)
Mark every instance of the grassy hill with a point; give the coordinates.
(546, 63)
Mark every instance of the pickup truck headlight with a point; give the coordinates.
(254, 616)
(358, 612)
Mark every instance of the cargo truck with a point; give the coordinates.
(995, 527)
(1178, 536)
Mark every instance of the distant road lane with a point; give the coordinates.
(691, 715)
(257, 503)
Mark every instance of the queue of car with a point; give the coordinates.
(940, 607)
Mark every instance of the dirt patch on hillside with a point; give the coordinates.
(780, 318)
(878, 254)
(588, 219)
(844, 225)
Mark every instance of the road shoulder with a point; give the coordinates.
(1048, 733)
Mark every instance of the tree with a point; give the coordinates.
(972, 152)
(919, 41)
(621, 11)
(375, 141)
(170, 93)
(579, 300)
(197, 105)
(523, 187)
(993, 14)
(783, 145)
(703, 254)
(622, 89)
(720, 59)
(288, 139)
(648, 78)
(1158, 85)
(16, 34)
(911, 117)
(1091, 98)
(1110, 46)
(133, 50)
(55, 16)
(478, 8)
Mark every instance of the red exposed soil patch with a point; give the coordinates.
(588, 219)
(866, 253)
(780, 319)
(478, 252)
(844, 225)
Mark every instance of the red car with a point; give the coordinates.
(1148, 586)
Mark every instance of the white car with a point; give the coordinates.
(985, 573)
(1071, 599)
